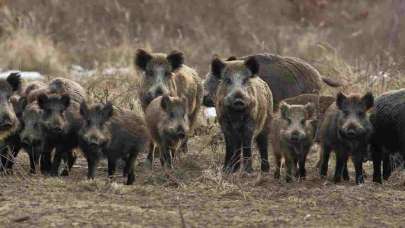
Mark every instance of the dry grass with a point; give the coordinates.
(357, 42)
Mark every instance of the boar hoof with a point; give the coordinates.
(277, 175)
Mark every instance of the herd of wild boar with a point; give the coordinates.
(266, 99)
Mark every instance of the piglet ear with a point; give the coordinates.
(340, 100)
(84, 109)
(65, 98)
(142, 59)
(284, 110)
(217, 66)
(165, 103)
(310, 109)
(368, 100)
(252, 64)
(42, 99)
(14, 79)
(108, 110)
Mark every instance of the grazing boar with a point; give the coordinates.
(9, 123)
(286, 77)
(244, 107)
(168, 123)
(389, 137)
(292, 134)
(168, 75)
(346, 130)
(115, 134)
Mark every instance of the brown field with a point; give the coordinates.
(357, 42)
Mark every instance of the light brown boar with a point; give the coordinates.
(168, 124)
(292, 134)
(244, 107)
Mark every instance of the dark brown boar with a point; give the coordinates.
(292, 134)
(168, 75)
(60, 122)
(244, 107)
(346, 130)
(286, 77)
(168, 124)
(9, 123)
(115, 134)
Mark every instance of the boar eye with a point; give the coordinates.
(361, 113)
(303, 121)
(346, 113)
(227, 81)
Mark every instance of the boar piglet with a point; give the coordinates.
(60, 122)
(168, 124)
(346, 130)
(9, 123)
(292, 135)
(114, 134)
(244, 106)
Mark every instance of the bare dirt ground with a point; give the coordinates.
(196, 194)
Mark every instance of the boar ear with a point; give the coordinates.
(217, 65)
(368, 100)
(42, 99)
(310, 108)
(14, 79)
(284, 110)
(232, 58)
(252, 64)
(142, 58)
(176, 59)
(65, 98)
(340, 99)
(84, 110)
(165, 103)
(108, 110)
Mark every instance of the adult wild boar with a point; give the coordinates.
(292, 134)
(244, 107)
(115, 134)
(347, 131)
(286, 77)
(168, 123)
(9, 123)
(387, 118)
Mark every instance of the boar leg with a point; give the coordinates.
(346, 173)
(325, 160)
(277, 158)
(112, 164)
(358, 166)
(34, 160)
(46, 163)
(91, 167)
(387, 166)
(151, 153)
(56, 161)
(131, 169)
(301, 167)
(341, 160)
(289, 162)
(184, 146)
(165, 156)
(247, 154)
(263, 144)
(230, 150)
(377, 158)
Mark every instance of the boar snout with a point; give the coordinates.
(237, 101)
(6, 122)
(207, 101)
(353, 130)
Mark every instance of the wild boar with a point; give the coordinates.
(168, 123)
(9, 123)
(115, 134)
(346, 130)
(168, 75)
(388, 138)
(244, 106)
(292, 134)
(286, 77)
